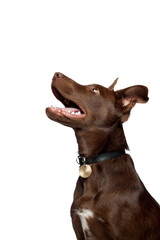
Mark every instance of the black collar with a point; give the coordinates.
(99, 158)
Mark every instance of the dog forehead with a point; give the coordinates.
(106, 93)
(103, 99)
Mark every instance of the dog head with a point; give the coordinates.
(87, 106)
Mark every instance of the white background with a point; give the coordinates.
(91, 42)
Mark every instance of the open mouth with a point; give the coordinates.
(71, 110)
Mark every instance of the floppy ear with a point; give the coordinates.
(130, 96)
(111, 88)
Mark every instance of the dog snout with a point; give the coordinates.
(58, 75)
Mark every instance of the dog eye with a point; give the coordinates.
(95, 90)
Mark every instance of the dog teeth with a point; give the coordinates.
(74, 113)
(77, 113)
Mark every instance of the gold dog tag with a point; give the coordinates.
(85, 171)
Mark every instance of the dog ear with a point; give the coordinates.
(111, 88)
(130, 96)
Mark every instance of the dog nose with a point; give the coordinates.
(58, 75)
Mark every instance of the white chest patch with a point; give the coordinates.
(84, 215)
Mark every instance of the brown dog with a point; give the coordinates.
(110, 201)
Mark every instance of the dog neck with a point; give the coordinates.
(95, 141)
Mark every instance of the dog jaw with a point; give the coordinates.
(72, 113)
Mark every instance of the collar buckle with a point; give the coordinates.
(81, 160)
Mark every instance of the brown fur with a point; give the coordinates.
(122, 207)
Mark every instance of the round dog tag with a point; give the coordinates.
(85, 171)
